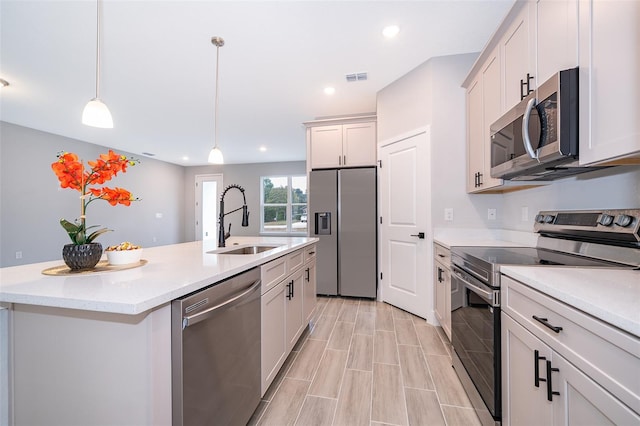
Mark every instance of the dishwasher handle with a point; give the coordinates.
(200, 316)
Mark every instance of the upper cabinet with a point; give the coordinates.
(518, 57)
(484, 106)
(609, 83)
(341, 143)
(556, 37)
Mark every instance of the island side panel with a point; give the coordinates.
(74, 367)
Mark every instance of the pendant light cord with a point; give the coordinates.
(97, 49)
(215, 127)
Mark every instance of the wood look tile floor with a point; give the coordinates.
(363, 362)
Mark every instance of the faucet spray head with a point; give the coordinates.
(245, 216)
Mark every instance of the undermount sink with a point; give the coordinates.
(244, 250)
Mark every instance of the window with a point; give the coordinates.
(284, 204)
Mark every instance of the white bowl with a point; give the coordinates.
(123, 257)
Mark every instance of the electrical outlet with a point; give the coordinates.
(18, 255)
(448, 214)
(491, 214)
(524, 214)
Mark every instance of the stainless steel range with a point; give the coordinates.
(587, 239)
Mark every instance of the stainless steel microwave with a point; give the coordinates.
(538, 138)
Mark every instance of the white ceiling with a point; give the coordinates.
(158, 67)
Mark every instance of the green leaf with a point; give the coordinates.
(96, 234)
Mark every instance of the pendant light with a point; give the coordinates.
(96, 113)
(215, 156)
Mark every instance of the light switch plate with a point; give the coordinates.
(524, 214)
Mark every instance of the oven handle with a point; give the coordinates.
(488, 295)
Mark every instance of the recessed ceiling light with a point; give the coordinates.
(329, 90)
(185, 158)
(391, 31)
(263, 149)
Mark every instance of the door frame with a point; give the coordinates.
(198, 179)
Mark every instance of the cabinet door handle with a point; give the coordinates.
(439, 274)
(308, 275)
(550, 391)
(339, 160)
(345, 160)
(536, 368)
(289, 291)
(292, 287)
(545, 322)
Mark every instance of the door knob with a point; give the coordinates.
(419, 235)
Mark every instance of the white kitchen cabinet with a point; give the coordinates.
(285, 294)
(518, 56)
(586, 370)
(484, 106)
(609, 84)
(341, 144)
(556, 37)
(442, 285)
(293, 308)
(273, 339)
(309, 292)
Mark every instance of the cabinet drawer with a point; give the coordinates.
(442, 254)
(606, 354)
(272, 273)
(309, 253)
(295, 260)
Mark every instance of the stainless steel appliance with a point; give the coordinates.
(538, 138)
(215, 353)
(342, 206)
(590, 239)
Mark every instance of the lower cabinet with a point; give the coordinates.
(442, 287)
(288, 300)
(561, 367)
(293, 308)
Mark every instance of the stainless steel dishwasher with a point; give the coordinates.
(215, 351)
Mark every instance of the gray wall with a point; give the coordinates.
(32, 202)
(431, 95)
(245, 175)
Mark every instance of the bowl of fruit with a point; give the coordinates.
(123, 254)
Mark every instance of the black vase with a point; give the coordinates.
(83, 256)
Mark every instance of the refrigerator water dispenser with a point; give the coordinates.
(323, 223)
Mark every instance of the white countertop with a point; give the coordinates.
(612, 296)
(171, 272)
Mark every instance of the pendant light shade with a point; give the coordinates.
(215, 155)
(96, 113)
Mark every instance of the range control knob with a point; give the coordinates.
(539, 218)
(549, 218)
(606, 220)
(624, 220)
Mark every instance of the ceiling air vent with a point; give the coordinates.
(148, 154)
(360, 76)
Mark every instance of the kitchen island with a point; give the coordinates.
(95, 348)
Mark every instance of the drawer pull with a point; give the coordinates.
(440, 255)
(536, 368)
(545, 322)
(550, 391)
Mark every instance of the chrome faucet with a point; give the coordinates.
(222, 236)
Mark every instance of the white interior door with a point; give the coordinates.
(208, 191)
(404, 188)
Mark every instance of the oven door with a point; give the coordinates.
(475, 335)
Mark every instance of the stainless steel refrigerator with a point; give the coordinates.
(343, 216)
